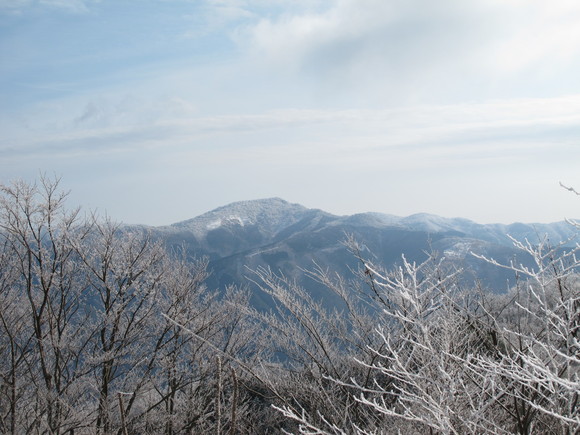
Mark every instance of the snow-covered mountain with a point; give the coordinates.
(274, 215)
(289, 238)
(271, 215)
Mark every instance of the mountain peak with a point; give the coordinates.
(254, 204)
(271, 214)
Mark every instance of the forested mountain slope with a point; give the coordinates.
(290, 238)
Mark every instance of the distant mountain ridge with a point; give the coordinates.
(276, 214)
(287, 237)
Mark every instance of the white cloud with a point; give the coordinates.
(292, 38)
(534, 34)
(421, 48)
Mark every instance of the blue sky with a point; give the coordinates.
(157, 111)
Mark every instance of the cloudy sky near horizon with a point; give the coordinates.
(155, 111)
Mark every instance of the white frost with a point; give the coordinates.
(214, 224)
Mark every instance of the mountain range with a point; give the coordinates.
(290, 238)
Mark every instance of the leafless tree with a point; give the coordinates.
(92, 319)
(447, 360)
(46, 289)
(541, 362)
(15, 343)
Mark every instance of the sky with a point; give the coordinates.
(156, 111)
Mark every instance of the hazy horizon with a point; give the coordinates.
(160, 111)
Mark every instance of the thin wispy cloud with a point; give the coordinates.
(514, 123)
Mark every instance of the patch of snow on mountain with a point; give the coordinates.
(214, 224)
(271, 215)
(458, 251)
(429, 222)
(223, 221)
(262, 251)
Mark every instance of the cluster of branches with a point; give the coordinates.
(411, 351)
(102, 330)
